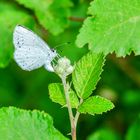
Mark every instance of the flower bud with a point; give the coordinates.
(64, 62)
(70, 69)
(63, 67)
(59, 70)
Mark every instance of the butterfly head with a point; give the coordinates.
(54, 53)
(53, 50)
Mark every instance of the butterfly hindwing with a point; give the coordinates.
(29, 58)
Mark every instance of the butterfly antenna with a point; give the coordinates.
(59, 56)
(66, 43)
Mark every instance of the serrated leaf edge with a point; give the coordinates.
(62, 105)
(20, 110)
(127, 53)
(104, 60)
(103, 111)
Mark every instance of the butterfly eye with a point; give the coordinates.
(53, 50)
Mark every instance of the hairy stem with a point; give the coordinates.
(77, 113)
(72, 121)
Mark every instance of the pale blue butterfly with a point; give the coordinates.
(31, 52)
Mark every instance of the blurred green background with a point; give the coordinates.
(29, 90)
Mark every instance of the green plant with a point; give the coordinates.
(110, 27)
(84, 79)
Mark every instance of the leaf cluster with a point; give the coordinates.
(85, 78)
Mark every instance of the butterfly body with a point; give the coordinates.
(31, 52)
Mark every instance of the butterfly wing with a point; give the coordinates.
(25, 37)
(28, 58)
(31, 52)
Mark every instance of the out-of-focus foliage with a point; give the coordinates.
(18, 124)
(54, 11)
(104, 134)
(119, 80)
(134, 131)
(10, 16)
(112, 26)
(131, 98)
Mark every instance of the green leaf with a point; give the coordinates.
(10, 16)
(96, 105)
(57, 95)
(112, 26)
(87, 73)
(134, 131)
(104, 134)
(19, 124)
(52, 14)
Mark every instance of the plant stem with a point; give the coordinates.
(72, 121)
(77, 19)
(77, 113)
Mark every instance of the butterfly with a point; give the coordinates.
(31, 52)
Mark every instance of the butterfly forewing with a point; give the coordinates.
(23, 36)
